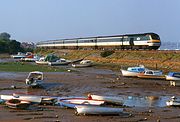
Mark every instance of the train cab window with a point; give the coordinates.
(154, 36)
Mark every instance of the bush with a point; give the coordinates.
(107, 53)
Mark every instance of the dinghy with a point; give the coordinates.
(72, 101)
(17, 104)
(97, 110)
(173, 102)
(30, 98)
(61, 61)
(34, 78)
(109, 99)
(83, 63)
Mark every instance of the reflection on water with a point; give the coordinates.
(147, 101)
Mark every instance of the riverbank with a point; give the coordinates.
(162, 60)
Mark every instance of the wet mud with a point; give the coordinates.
(143, 99)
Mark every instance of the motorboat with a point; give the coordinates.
(133, 71)
(174, 78)
(83, 63)
(34, 78)
(151, 74)
(97, 110)
(17, 104)
(173, 102)
(108, 99)
(61, 61)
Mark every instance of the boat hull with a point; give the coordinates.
(172, 78)
(151, 76)
(129, 73)
(30, 98)
(97, 110)
(17, 104)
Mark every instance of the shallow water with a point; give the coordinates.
(146, 101)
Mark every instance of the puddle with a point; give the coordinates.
(147, 101)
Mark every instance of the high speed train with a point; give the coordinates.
(129, 41)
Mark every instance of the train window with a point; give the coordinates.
(110, 40)
(85, 41)
(154, 36)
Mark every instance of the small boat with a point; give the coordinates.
(70, 102)
(42, 61)
(59, 62)
(19, 55)
(31, 58)
(83, 63)
(109, 99)
(17, 104)
(97, 110)
(34, 78)
(133, 71)
(173, 102)
(151, 74)
(174, 78)
(30, 98)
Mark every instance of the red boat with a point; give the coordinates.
(17, 104)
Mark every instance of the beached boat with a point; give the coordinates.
(42, 61)
(132, 71)
(174, 78)
(61, 61)
(70, 102)
(97, 110)
(31, 58)
(173, 102)
(34, 78)
(151, 74)
(17, 104)
(19, 55)
(30, 98)
(109, 99)
(83, 63)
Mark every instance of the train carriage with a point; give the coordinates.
(128, 41)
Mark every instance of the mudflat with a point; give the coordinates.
(82, 81)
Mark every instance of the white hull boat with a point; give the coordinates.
(42, 62)
(97, 110)
(173, 102)
(129, 73)
(83, 63)
(30, 98)
(34, 78)
(108, 99)
(72, 101)
(132, 71)
(172, 78)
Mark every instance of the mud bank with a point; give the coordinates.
(95, 81)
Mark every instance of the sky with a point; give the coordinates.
(41, 20)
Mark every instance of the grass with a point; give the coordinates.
(26, 67)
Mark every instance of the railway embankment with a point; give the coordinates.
(163, 60)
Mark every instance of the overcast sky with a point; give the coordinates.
(38, 20)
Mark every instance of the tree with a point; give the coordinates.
(5, 35)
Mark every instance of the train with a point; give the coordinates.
(143, 41)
